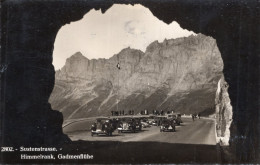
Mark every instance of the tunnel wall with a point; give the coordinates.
(28, 31)
(223, 113)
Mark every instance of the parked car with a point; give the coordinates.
(159, 119)
(167, 125)
(145, 124)
(126, 124)
(177, 119)
(154, 123)
(138, 124)
(102, 126)
(150, 121)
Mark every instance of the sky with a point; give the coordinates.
(99, 35)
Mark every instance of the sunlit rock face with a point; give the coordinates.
(223, 112)
(178, 75)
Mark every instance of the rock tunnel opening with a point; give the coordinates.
(89, 84)
(29, 74)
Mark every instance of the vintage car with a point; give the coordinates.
(167, 125)
(150, 121)
(102, 126)
(177, 119)
(126, 125)
(158, 120)
(155, 123)
(138, 124)
(145, 124)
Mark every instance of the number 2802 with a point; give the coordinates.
(7, 149)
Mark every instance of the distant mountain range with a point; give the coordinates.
(177, 74)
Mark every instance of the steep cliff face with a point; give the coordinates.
(178, 74)
(223, 112)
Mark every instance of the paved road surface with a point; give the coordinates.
(194, 142)
(201, 131)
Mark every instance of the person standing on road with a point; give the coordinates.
(199, 115)
(193, 117)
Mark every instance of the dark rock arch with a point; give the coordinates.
(28, 32)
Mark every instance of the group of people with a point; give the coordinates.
(195, 116)
(145, 112)
(121, 113)
(156, 112)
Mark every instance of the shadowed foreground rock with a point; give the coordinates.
(28, 33)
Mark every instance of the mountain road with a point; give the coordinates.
(200, 131)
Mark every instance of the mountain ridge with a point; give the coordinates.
(162, 77)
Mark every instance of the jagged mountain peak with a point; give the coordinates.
(78, 55)
(182, 41)
(152, 46)
(127, 54)
(129, 50)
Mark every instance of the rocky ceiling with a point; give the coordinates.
(28, 31)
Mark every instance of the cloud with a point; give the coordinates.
(99, 35)
(134, 27)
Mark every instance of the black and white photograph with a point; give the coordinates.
(130, 82)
